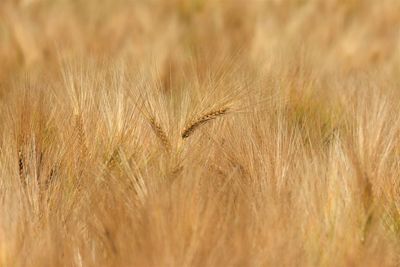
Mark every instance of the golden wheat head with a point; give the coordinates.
(160, 133)
(194, 124)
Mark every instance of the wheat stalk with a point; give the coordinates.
(160, 133)
(194, 124)
(21, 167)
(80, 135)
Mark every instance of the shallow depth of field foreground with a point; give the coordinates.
(199, 133)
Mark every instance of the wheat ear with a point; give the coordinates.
(21, 167)
(80, 135)
(160, 133)
(194, 124)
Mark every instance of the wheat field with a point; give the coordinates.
(199, 133)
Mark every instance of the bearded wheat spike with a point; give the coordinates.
(194, 124)
(160, 133)
(21, 167)
(80, 134)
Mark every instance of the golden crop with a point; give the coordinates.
(199, 133)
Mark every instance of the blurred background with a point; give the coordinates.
(330, 36)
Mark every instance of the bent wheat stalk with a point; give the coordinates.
(194, 124)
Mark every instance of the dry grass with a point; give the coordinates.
(199, 133)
